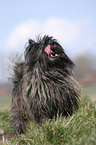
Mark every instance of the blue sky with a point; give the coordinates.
(14, 13)
(71, 22)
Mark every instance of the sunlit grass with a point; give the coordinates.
(78, 129)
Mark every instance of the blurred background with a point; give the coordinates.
(71, 22)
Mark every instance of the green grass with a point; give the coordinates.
(78, 129)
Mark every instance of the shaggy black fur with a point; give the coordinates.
(43, 85)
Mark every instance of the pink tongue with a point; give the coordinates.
(48, 50)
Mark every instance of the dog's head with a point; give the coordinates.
(47, 53)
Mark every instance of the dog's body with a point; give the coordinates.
(43, 85)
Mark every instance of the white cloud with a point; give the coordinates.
(76, 37)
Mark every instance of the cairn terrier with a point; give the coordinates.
(43, 84)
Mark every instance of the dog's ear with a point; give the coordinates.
(31, 42)
(28, 49)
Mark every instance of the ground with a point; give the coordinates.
(78, 129)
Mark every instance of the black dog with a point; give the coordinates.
(43, 85)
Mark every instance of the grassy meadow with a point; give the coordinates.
(78, 129)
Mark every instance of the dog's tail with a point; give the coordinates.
(18, 72)
(16, 112)
(16, 69)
